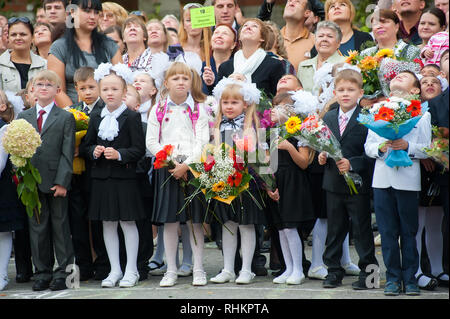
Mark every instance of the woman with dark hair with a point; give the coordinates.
(19, 63)
(431, 30)
(115, 33)
(82, 45)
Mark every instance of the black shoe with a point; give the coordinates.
(22, 278)
(332, 281)
(279, 272)
(58, 284)
(259, 271)
(85, 276)
(100, 275)
(143, 275)
(360, 284)
(40, 285)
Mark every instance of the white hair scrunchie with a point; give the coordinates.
(104, 69)
(249, 91)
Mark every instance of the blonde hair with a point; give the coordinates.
(183, 36)
(119, 11)
(8, 114)
(135, 92)
(183, 68)
(328, 4)
(166, 43)
(48, 75)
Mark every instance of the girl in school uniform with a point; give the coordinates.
(237, 118)
(115, 143)
(179, 120)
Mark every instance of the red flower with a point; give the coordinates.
(419, 61)
(238, 166)
(385, 114)
(168, 149)
(161, 155)
(15, 179)
(235, 179)
(158, 164)
(209, 164)
(414, 108)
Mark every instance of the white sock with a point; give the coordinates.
(248, 243)
(295, 247)
(197, 244)
(319, 238)
(111, 238)
(229, 245)
(345, 259)
(434, 240)
(286, 254)
(131, 235)
(187, 249)
(423, 211)
(158, 255)
(171, 245)
(5, 252)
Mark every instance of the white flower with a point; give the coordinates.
(304, 102)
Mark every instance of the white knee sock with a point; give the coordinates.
(434, 240)
(197, 244)
(319, 238)
(171, 245)
(295, 247)
(111, 238)
(229, 245)
(158, 255)
(248, 243)
(286, 254)
(423, 211)
(5, 252)
(131, 235)
(187, 249)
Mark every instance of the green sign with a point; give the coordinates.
(203, 17)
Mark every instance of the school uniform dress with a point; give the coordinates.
(115, 194)
(295, 204)
(188, 138)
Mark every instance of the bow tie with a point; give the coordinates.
(235, 123)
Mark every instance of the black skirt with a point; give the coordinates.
(318, 195)
(114, 199)
(170, 198)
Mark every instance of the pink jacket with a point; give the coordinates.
(438, 43)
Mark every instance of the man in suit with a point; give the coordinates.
(50, 232)
(341, 203)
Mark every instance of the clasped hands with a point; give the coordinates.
(396, 145)
(180, 171)
(109, 152)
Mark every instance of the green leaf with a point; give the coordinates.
(29, 182)
(20, 188)
(36, 174)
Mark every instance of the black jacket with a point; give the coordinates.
(360, 39)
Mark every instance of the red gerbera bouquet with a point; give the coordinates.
(164, 158)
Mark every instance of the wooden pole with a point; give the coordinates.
(206, 46)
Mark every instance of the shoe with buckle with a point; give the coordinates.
(169, 279)
(199, 278)
(112, 280)
(245, 277)
(316, 274)
(129, 280)
(223, 277)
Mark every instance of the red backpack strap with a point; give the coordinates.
(194, 115)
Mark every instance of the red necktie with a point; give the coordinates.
(40, 119)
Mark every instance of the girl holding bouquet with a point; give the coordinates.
(237, 119)
(179, 121)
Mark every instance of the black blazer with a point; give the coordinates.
(97, 107)
(266, 76)
(352, 145)
(360, 38)
(130, 143)
(438, 108)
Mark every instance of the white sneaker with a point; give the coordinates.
(281, 279)
(169, 279)
(3, 282)
(245, 277)
(318, 272)
(159, 271)
(223, 277)
(199, 278)
(351, 269)
(295, 279)
(129, 280)
(112, 280)
(184, 271)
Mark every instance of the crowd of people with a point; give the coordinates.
(148, 84)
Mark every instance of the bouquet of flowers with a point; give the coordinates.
(438, 149)
(392, 119)
(164, 158)
(317, 135)
(21, 141)
(81, 125)
(390, 67)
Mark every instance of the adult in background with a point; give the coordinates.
(81, 45)
(112, 14)
(55, 11)
(225, 11)
(115, 33)
(41, 16)
(43, 38)
(171, 21)
(277, 47)
(3, 34)
(441, 4)
(432, 22)
(158, 39)
(328, 38)
(135, 37)
(410, 12)
(342, 12)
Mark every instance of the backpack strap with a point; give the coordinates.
(161, 112)
(194, 116)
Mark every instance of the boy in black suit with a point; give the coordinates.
(90, 102)
(53, 159)
(341, 205)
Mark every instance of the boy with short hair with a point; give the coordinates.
(396, 194)
(341, 204)
(53, 159)
(87, 90)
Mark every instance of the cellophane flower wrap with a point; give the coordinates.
(81, 126)
(21, 141)
(312, 131)
(390, 67)
(438, 150)
(392, 119)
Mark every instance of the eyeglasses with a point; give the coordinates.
(138, 13)
(18, 19)
(44, 85)
(192, 5)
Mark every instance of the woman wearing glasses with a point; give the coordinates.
(19, 63)
(82, 45)
(112, 14)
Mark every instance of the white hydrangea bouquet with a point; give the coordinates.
(21, 141)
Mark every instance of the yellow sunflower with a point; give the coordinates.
(368, 63)
(293, 125)
(385, 53)
(217, 187)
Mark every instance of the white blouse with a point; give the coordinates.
(176, 129)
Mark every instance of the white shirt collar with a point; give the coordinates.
(46, 108)
(189, 102)
(348, 114)
(90, 106)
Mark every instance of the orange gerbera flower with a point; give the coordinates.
(235, 179)
(414, 108)
(158, 164)
(368, 63)
(385, 114)
(168, 149)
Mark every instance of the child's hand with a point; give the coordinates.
(98, 151)
(322, 158)
(428, 54)
(275, 195)
(179, 171)
(399, 144)
(383, 147)
(343, 165)
(111, 154)
(428, 164)
(208, 76)
(60, 191)
(284, 145)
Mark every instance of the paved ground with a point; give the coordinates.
(262, 288)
